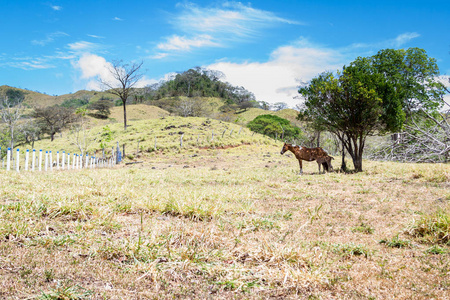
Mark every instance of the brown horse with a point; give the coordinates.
(309, 154)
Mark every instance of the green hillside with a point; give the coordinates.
(194, 133)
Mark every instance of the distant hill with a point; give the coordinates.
(142, 111)
(33, 98)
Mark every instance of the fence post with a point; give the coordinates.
(68, 161)
(8, 159)
(17, 160)
(51, 161)
(27, 156)
(57, 160)
(33, 160)
(63, 161)
(181, 141)
(46, 161)
(75, 161)
(87, 161)
(117, 153)
(40, 160)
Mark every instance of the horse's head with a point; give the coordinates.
(284, 149)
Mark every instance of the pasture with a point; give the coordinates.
(226, 223)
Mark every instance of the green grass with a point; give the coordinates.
(433, 227)
(166, 132)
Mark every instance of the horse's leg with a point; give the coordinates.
(301, 167)
(318, 163)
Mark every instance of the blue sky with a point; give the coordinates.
(269, 47)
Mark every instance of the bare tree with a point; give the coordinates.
(11, 113)
(125, 76)
(186, 107)
(80, 135)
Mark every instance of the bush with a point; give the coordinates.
(272, 126)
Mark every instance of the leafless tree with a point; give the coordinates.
(11, 113)
(186, 107)
(80, 135)
(125, 76)
(194, 107)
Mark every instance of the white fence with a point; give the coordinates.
(41, 161)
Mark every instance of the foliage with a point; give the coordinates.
(54, 119)
(14, 96)
(75, 103)
(106, 137)
(197, 83)
(272, 125)
(102, 106)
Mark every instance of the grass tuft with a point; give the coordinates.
(433, 228)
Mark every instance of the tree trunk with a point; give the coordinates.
(12, 136)
(357, 162)
(52, 136)
(343, 164)
(124, 114)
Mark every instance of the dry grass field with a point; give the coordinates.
(235, 223)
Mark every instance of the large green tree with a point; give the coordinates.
(372, 95)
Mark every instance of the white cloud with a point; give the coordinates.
(404, 38)
(82, 46)
(182, 43)
(217, 26)
(396, 42)
(231, 18)
(159, 55)
(49, 38)
(117, 19)
(95, 36)
(56, 7)
(278, 79)
(95, 68)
